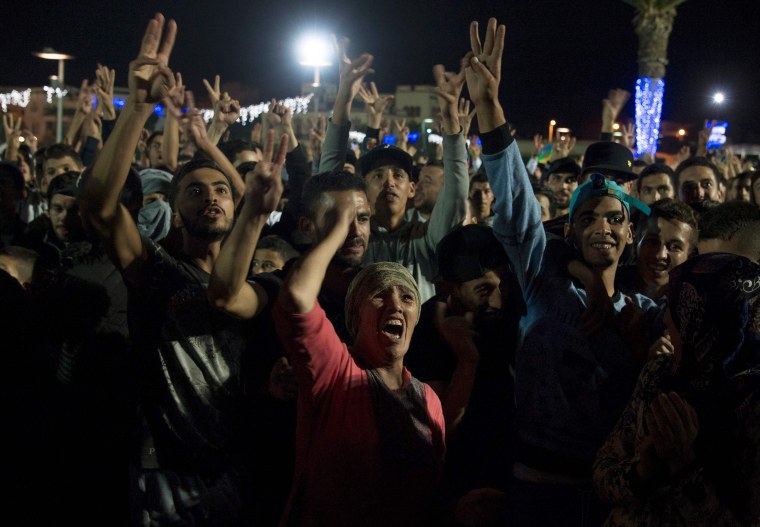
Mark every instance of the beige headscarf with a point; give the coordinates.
(372, 280)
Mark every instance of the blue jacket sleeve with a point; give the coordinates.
(517, 220)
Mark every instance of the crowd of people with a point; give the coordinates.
(277, 330)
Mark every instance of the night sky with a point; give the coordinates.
(560, 57)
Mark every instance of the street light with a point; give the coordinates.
(552, 124)
(718, 98)
(51, 54)
(316, 51)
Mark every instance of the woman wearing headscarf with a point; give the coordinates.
(370, 437)
(686, 450)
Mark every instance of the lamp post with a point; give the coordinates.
(552, 124)
(50, 54)
(315, 51)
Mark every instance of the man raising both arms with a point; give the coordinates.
(198, 436)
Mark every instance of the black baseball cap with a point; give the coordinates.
(609, 158)
(385, 155)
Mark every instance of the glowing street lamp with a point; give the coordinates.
(552, 124)
(719, 98)
(51, 54)
(316, 51)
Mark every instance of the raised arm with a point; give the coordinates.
(226, 110)
(517, 222)
(149, 81)
(450, 208)
(302, 285)
(175, 100)
(228, 289)
(352, 73)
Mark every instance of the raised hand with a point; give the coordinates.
(611, 107)
(86, 103)
(562, 147)
(317, 134)
(352, 72)
(683, 154)
(629, 135)
(104, 83)
(279, 115)
(195, 127)
(704, 137)
(375, 103)
(11, 126)
(465, 115)
(226, 109)
(399, 127)
(150, 78)
(263, 186)
(734, 163)
(214, 92)
(448, 89)
(483, 62)
(538, 144)
(174, 101)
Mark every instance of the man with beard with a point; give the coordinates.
(197, 443)
(561, 177)
(320, 194)
(464, 348)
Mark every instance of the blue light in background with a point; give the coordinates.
(389, 140)
(649, 93)
(412, 137)
(159, 110)
(119, 102)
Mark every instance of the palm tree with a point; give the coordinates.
(653, 23)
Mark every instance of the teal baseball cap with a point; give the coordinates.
(598, 185)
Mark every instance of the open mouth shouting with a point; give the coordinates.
(211, 212)
(393, 329)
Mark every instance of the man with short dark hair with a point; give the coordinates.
(561, 178)
(464, 347)
(197, 442)
(427, 188)
(57, 159)
(481, 198)
(387, 171)
(732, 227)
(655, 182)
(665, 239)
(698, 180)
(547, 200)
(740, 187)
(572, 380)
